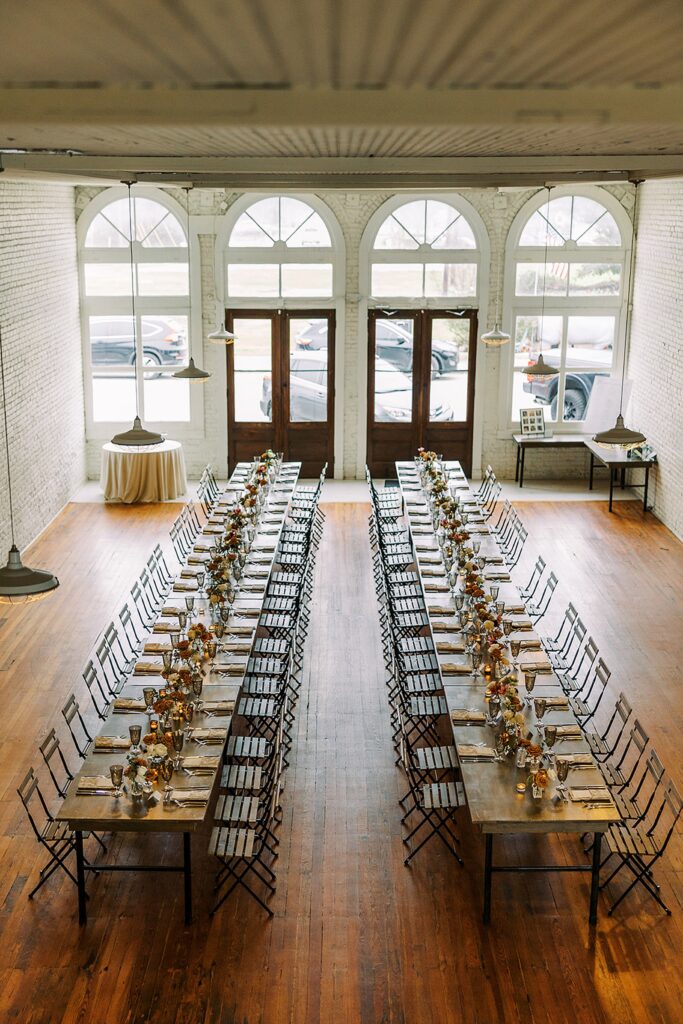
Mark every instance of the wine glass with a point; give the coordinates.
(211, 649)
(562, 769)
(476, 545)
(507, 626)
(515, 647)
(495, 591)
(540, 709)
(135, 733)
(166, 772)
(197, 684)
(529, 683)
(182, 620)
(175, 639)
(459, 600)
(177, 739)
(500, 608)
(149, 695)
(167, 659)
(116, 772)
(550, 734)
(201, 576)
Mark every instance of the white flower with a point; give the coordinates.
(159, 750)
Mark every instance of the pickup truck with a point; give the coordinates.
(578, 385)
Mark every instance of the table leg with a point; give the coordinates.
(647, 481)
(612, 472)
(488, 863)
(590, 478)
(80, 878)
(187, 875)
(595, 878)
(521, 467)
(517, 464)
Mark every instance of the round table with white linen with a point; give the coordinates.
(150, 473)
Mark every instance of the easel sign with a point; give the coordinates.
(532, 422)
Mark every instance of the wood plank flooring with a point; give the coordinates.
(356, 937)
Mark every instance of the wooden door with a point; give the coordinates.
(281, 386)
(421, 366)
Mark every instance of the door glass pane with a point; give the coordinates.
(308, 361)
(253, 381)
(450, 370)
(394, 371)
(527, 393)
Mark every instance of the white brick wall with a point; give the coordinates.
(655, 364)
(42, 352)
(353, 210)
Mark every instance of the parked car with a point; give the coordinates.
(393, 342)
(112, 342)
(308, 392)
(577, 388)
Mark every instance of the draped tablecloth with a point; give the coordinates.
(154, 473)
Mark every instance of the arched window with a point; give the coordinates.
(279, 247)
(578, 328)
(159, 275)
(424, 249)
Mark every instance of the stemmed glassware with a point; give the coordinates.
(135, 733)
(539, 709)
(562, 769)
(167, 660)
(166, 772)
(507, 626)
(476, 545)
(529, 683)
(515, 648)
(182, 618)
(178, 740)
(550, 733)
(197, 685)
(149, 695)
(189, 604)
(495, 590)
(211, 650)
(201, 576)
(116, 773)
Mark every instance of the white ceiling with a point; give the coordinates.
(344, 79)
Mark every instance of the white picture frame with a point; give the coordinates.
(532, 422)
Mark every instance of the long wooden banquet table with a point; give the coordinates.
(495, 806)
(102, 812)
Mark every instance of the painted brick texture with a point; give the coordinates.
(42, 350)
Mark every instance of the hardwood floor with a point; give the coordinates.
(356, 936)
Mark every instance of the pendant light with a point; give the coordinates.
(496, 337)
(619, 437)
(18, 583)
(190, 372)
(221, 336)
(137, 436)
(540, 370)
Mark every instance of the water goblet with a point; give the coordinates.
(550, 734)
(182, 620)
(507, 627)
(225, 613)
(476, 660)
(178, 740)
(476, 545)
(515, 647)
(459, 600)
(175, 639)
(495, 591)
(540, 709)
(149, 695)
(480, 561)
(562, 769)
(189, 713)
(166, 772)
(211, 649)
(197, 684)
(135, 733)
(167, 659)
(189, 604)
(201, 576)
(529, 683)
(213, 551)
(116, 773)
(500, 608)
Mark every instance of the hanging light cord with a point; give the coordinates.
(629, 300)
(132, 295)
(4, 413)
(545, 271)
(189, 274)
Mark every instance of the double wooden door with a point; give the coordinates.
(421, 366)
(281, 386)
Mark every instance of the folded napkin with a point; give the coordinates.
(231, 670)
(443, 588)
(471, 750)
(188, 573)
(433, 572)
(112, 743)
(579, 758)
(238, 648)
(445, 627)
(240, 630)
(190, 796)
(212, 530)
(494, 559)
(447, 647)
(165, 627)
(171, 610)
(422, 530)
(436, 609)
(542, 667)
(182, 586)
(430, 559)
(257, 574)
(452, 668)
(522, 625)
(568, 731)
(87, 783)
(128, 704)
(585, 794)
(198, 559)
(426, 547)
(209, 735)
(530, 645)
(148, 668)
(497, 576)
(514, 609)
(465, 715)
(245, 611)
(253, 588)
(202, 761)
(556, 702)
(154, 648)
(219, 707)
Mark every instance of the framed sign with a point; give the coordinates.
(532, 422)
